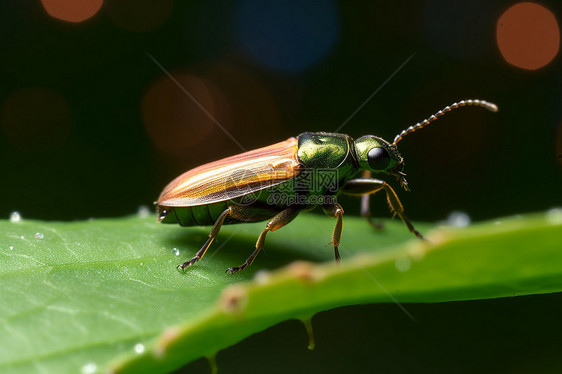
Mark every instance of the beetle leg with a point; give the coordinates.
(214, 232)
(279, 220)
(371, 186)
(366, 206)
(366, 212)
(335, 210)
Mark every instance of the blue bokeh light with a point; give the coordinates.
(287, 36)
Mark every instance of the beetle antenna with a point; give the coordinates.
(485, 104)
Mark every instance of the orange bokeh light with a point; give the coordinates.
(72, 11)
(253, 110)
(175, 123)
(528, 35)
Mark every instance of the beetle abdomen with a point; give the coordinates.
(198, 215)
(206, 215)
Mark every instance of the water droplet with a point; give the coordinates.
(554, 216)
(458, 219)
(11, 248)
(15, 217)
(38, 235)
(176, 251)
(89, 368)
(143, 211)
(139, 348)
(403, 264)
(262, 276)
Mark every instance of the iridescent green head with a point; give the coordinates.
(379, 156)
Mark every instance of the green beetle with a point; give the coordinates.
(279, 181)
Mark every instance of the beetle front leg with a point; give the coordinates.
(214, 232)
(335, 210)
(366, 206)
(279, 220)
(366, 212)
(371, 186)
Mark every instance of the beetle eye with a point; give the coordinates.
(378, 158)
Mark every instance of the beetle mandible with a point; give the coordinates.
(279, 181)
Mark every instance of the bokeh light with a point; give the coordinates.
(287, 36)
(35, 119)
(72, 11)
(138, 15)
(175, 123)
(528, 35)
(253, 110)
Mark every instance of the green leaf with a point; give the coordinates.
(104, 295)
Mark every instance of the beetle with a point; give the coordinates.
(279, 181)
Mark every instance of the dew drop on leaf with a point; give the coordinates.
(143, 211)
(89, 368)
(554, 216)
(139, 348)
(458, 219)
(403, 264)
(15, 217)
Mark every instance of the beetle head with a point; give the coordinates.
(379, 156)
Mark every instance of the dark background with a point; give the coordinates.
(92, 127)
